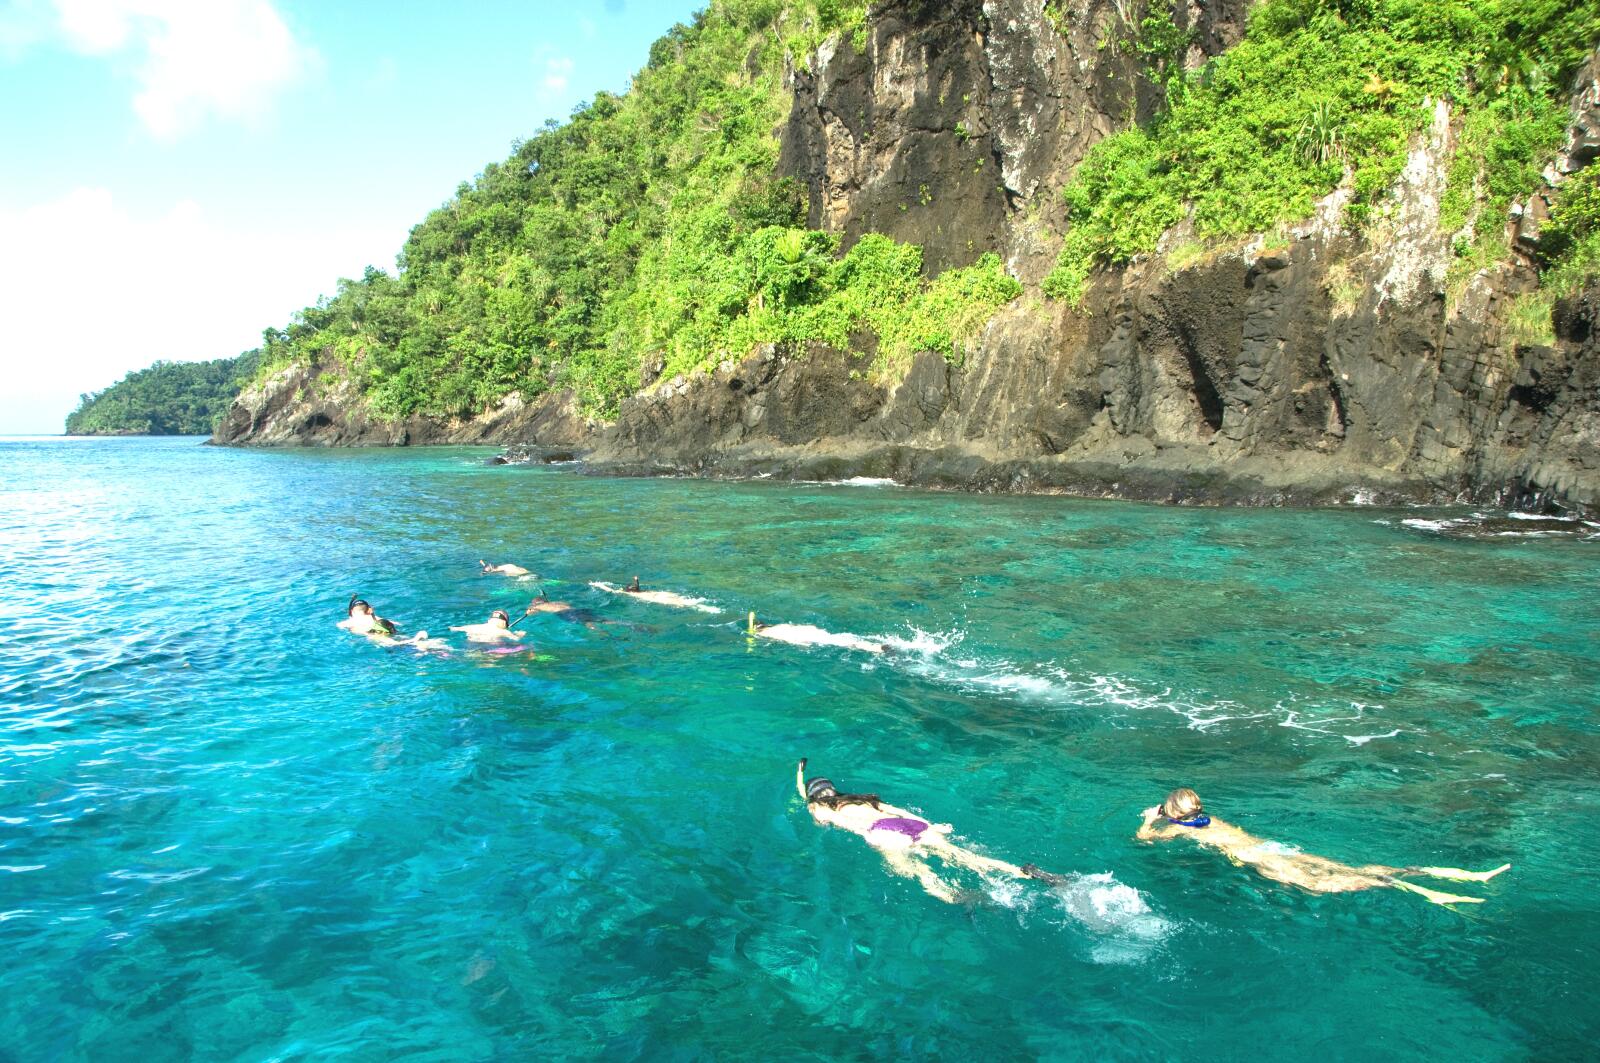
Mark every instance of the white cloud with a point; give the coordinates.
(195, 58)
(89, 291)
(557, 72)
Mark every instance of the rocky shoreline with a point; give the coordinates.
(1174, 477)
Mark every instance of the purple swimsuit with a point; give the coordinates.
(911, 828)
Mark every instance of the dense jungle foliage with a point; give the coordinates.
(649, 227)
(1321, 91)
(167, 399)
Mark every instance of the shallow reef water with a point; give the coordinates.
(229, 830)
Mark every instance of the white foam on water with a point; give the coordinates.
(927, 654)
(923, 643)
(1053, 685)
(1303, 719)
(1120, 923)
(1435, 525)
(855, 481)
(1452, 523)
(1125, 928)
(1518, 515)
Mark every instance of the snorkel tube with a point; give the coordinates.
(537, 598)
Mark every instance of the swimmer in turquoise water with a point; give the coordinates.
(496, 629)
(502, 570)
(1182, 815)
(361, 620)
(902, 838)
(809, 635)
(672, 598)
(567, 611)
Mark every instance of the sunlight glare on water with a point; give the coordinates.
(230, 830)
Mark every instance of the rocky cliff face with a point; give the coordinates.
(1313, 368)
(317, 406)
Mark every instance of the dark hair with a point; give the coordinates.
(841, 800)
(350, 610)
(837, 800)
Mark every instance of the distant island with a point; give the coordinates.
(167, 399)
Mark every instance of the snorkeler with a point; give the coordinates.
(361, 620)
(567, 611)
(496, 629)
(808, 635)
(904, 840)
(672, 598)
(1181, 815)
(503, 570)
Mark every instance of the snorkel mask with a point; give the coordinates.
(1196, 817)
(500, 614)
(819, 788)
(356, 601)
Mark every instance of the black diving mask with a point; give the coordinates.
(819, 788)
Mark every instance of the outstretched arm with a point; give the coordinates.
(1147, 831)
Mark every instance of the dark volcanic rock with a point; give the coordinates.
(309, 407)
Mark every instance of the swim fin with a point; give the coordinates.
(1049, 878)
(1458, 875)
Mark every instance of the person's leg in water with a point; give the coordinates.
(966, 858)
(1431, 895)
(904, 864)
(1456, 874)
(1391, 876)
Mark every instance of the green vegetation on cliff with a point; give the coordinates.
(1569, 243)
(647, 229)
(167, 399)
(1323, 91)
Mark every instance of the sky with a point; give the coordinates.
(177, 175)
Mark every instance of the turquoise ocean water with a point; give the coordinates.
(228, 830)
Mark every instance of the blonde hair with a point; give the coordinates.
(1182, 803)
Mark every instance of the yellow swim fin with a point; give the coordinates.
(1458, 875)
(1434, 895)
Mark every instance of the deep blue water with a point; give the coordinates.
(229, 830)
